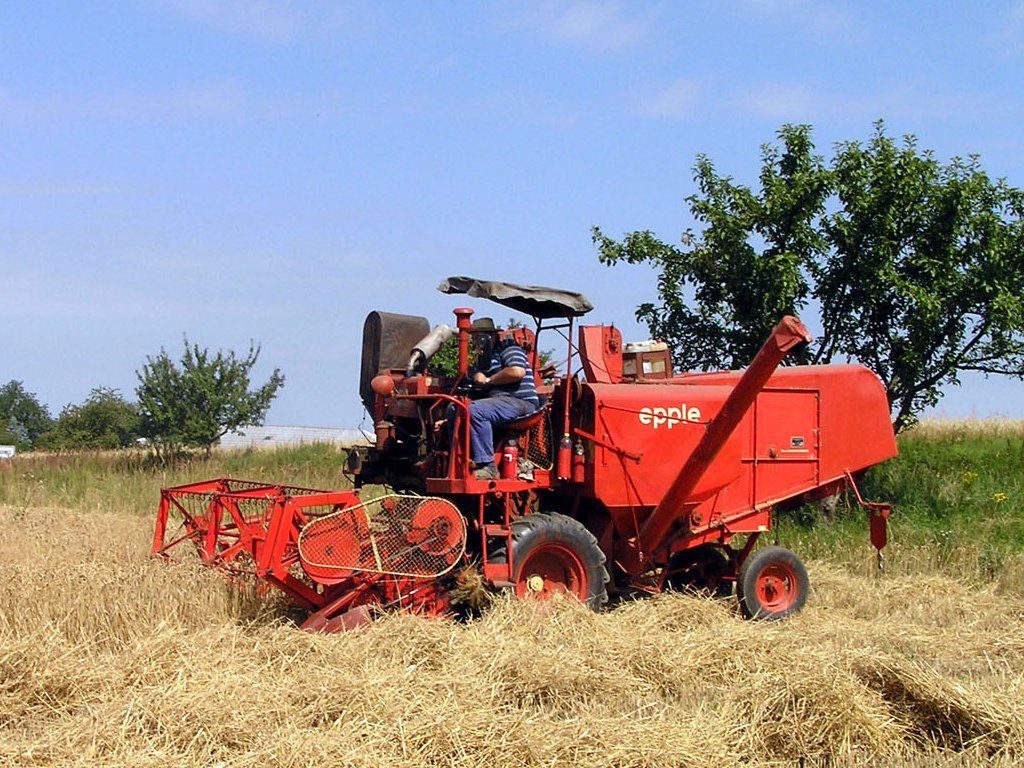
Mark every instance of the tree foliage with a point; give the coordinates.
(914, 266)
(445, 362)
(22, 417)
(196, 402)
(104, 421)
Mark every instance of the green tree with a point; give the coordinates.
(104, 421)
(196, 403)
(22, 417)
(445, 361)
(914, 266)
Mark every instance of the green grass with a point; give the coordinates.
(957, 491)
(130, 481)
(958, 496)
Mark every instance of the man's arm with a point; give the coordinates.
(512, 374)
(513, 360)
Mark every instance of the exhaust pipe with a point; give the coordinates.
(427, 347)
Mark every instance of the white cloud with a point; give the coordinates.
(200, 101)
(523, 107)
(780, 101)
(675, 100)
(216, 100)
(917, 102)
(823, 19)
(40, 188)
(278, 22)
(606, 25)
(1011, 36)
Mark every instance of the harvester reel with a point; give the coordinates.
(334, 541)
(221, 519)
(393, 535)
(439, 529)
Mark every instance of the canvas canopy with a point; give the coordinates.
(533, 300)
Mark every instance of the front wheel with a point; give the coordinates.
(772, 584)
(554, 554)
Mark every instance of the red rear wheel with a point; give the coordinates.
(772, 584)
(552, 569)
(777, 587)
(553, 554)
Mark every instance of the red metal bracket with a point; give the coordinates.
(878, 518)
(605, 444)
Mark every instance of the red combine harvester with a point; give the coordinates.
(629, 478)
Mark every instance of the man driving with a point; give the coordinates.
(504, 369)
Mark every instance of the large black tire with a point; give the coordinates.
(772, 584)
(554, 553)
(700, 571)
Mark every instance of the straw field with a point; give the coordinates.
(107, 658)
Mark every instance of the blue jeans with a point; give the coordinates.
(484, 415)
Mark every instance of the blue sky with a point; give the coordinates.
(275, 170)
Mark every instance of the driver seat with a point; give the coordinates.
(533, 432)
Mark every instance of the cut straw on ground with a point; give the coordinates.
(108, 658)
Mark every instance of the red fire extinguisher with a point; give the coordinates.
(579, 462)
(564, 465)
(510, 459)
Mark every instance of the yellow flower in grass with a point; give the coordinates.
(969, 478)
(998, 498)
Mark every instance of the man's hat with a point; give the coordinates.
(484, 325)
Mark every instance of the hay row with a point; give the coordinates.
(109, 659)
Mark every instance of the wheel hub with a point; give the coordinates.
(552, 569)
(776, 587)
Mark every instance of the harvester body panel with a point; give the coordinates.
(808, 427)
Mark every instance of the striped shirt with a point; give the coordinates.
(506, 354)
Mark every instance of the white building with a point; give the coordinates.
(269, 436)
(7, 451)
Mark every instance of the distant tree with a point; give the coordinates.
(196, 403)
(105, 420)
(915, 267)
(22, 417)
